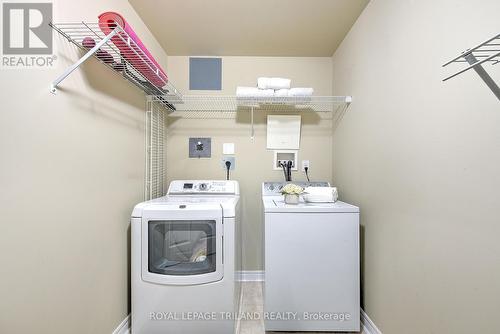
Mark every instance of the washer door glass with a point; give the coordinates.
(182, 248)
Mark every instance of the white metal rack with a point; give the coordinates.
(486, 52)
(127, 65)
(155, 150)
(214, 103)
(104, 50)
(224, 106)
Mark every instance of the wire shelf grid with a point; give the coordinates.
(128, 62)
(230, 104)
(476, 57)
(486, 52)
(155, 150)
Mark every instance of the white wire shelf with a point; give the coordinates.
(486, 52)
(128, 63)
(229, 103)
(227, 107)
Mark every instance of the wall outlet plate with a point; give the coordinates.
(305, 163)
(231, 160)
(200, 147)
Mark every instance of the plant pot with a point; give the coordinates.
(291, 199)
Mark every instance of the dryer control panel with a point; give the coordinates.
(274, 188)
(199, 187)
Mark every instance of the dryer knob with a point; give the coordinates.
(203, 186)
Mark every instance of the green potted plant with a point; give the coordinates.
(291, 192)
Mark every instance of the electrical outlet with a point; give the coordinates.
(231, 160)
(305, 163)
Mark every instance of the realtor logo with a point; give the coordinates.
(26, 28)
(26, 35)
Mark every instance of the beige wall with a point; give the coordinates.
(72, 169)
(422, 159)
(253, 161)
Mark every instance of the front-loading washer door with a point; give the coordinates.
(182, 244)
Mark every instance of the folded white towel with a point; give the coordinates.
(300, 92)
(246, 91)
(242, 92)
(266, 92)
(273, 83)
(320, 194)
(281, 92)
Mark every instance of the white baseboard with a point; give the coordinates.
(250, 276)
(123, 327)
(368, 325)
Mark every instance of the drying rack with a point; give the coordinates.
(486, 52)
(108, 54)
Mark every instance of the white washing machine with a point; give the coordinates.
(185, 254)
(311, 263)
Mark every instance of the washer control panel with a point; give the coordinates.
(203, 187)
(274, 188)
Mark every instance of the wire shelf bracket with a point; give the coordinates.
(127, 63)
(486, 52)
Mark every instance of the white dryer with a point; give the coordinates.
(185, 254)
(311, 260)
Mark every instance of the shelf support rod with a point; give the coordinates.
(471, 59)
(72, 68)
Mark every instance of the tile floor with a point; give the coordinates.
(253, 302)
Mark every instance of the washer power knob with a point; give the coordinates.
(203, 186)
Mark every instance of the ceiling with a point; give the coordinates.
(249, 27)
